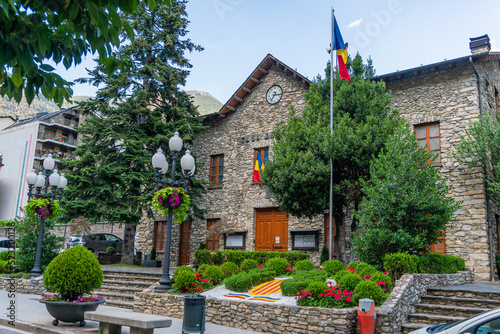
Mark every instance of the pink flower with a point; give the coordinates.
(348, 299)
(385, 272)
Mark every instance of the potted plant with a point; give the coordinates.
(172, 198)
(152, 262)
(110, 257)
(44, 207)
(72, 275)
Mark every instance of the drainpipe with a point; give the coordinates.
(485, 172)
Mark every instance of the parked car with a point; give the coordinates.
(4, 245)
(483, 323)
(96, 242)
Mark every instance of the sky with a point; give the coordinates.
(397, 34)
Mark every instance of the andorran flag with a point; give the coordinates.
(341, 51)
(259, 166)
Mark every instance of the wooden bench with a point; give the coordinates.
(111, 321)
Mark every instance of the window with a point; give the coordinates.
(160, 235)
(212, 243)
(216, 170)
(428, 136)
(259, 162)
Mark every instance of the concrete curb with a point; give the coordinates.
(32, 328)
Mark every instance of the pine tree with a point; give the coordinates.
(134, 113)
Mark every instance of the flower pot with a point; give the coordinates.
(70, 312)
(152, 263)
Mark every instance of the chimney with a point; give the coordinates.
(480, 44)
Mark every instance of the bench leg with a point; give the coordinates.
(135, 330)
(108, 328)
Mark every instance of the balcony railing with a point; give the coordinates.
(42, 153)
(54, 137)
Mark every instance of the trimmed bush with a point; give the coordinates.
(239, 282)
(380, 277)
(315, 288)
(369, 289)
(220, 256)
(398, 264)
(278, 265)
(312, 275)
(290, 287)
(180, 270)
(248, 264)
(184, 279)
(229, 269)
(324, 254)
(433, 263)
(260, 276)
(340, 274)
(367, 270)
(332, 267)
(201, 269)
(304, 265)
(213, 273)
(349, 282)
(110, 250)
(152, 255)
(204, 256)
(353, 264)
(73, 273)
(6, 255)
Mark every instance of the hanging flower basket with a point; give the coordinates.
(44, 207)
(172, 198)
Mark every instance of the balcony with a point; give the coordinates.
(57, 139)
(62, 124)
(41, 154)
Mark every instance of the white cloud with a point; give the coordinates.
(355, 23)
(494, 47)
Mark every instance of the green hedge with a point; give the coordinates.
(260, 276)
(219, 257)
(239, 282)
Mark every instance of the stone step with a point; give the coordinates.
(463, 294)
(117, 296)
(119, 289)
(449, 310)
(464, 302)
(115, 277)
(409, 327)
(119, 303)
(431, 319)
(132, 284)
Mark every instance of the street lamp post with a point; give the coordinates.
(160, 165)
(49, 177)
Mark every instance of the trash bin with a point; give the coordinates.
(194, 314)
(138, 257)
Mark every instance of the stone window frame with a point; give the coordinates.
(216, 180)
(427, 137)
(261, 150)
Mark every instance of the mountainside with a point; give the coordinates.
(206, 103)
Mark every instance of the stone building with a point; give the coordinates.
(438, 100)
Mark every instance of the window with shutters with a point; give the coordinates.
(216, 176)
(428, 136)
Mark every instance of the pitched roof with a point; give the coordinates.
(254, 79)
(41, 117)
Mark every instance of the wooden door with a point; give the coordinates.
(160, 235)
(184, 249)
(440, 247)
(271, 230)
(213, 243)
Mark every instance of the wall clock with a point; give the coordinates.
(274, 94)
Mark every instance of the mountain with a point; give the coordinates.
(206, 103)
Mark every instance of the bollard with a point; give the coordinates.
(194, 314)
(367, 316)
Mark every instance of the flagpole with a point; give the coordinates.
(330, 211)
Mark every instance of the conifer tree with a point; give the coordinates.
(134, 113)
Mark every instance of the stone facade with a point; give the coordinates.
(270, 318)
(21, 285)
(447, 94)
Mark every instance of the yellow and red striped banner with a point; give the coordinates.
(267, 288)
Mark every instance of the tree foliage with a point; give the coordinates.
(34, 32)
(136, 113)
(480, 148)
(405, 208)
(299, 176)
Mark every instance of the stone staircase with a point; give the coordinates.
(119, 286)
(442, 305)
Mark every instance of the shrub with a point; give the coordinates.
(213, 273)
(73, 273)
(180, 270)
(290, 287)
(110, 250)
(361, 266)
(277, 264)
(379, 277)
(398, 264)
(340, 274)
(315, 288)
(369, 289)
(152, 255)
(368, 270)
(433, 263)
(220, 256)
(304, 265)
(6, 255)
(349, 282)
(311, 275)
(229, 269)
(203, 256)
(201, 269)
(184, 279)
(239, 282)
(260, 276)
(248, 264)
(324, 254)
(332, 267)
(353, 264)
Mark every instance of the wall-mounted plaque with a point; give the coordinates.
(305, 239)
(235, 240)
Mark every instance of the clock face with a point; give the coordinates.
(274, 94)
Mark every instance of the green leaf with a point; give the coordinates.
(17, 78)
(47, 67)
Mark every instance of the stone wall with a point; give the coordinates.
(450, 97)
(21, 285)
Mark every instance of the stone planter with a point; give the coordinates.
(152, 263)
(69, 312)
(105, 258)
